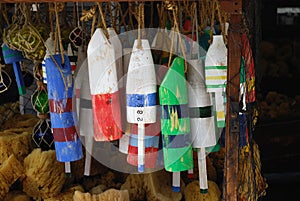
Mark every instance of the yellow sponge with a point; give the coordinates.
(44, 175)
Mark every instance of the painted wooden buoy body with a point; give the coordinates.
(14, 57)
(175, 121)
(84, 113)
(141, 93)
(104, 88)
(60, 93)
(203, 130)
(200, 107)
(216, 75)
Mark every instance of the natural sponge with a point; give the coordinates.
(158, 187)
(135, 185)
(17, 196)
(10, 171)
(18, 144)
(192, 192)
(45, 176)
(109, 195)
(66, 195)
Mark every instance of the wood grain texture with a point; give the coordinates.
(232, 138)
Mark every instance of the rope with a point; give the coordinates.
(176, 29)
(59, 34)
(140, 18)
(103, 20)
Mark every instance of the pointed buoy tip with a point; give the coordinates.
(141, 168)
(176, 189)
(203, 191)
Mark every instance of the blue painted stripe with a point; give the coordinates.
(182, 111)
(175, 189)
(176, 141)
(150, 141)
(141, 100)
(63, 120)
(141, 168)
(68, 151)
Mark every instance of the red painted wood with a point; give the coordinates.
(107, 117)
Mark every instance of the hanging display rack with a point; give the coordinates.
(234, 9)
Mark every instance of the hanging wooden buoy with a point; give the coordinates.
(175, 122)
(84, 114)
(141, 93)
(104, 88)
(202, 121)
(216, 75)
(14, 57)
(60, 93)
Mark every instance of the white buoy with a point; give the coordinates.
(84, 113)
(104, 88)
(141, 93)
(202, 120)
(216, 75)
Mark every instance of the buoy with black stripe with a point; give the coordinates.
(104, 88)
(60, 93)
(141, 93)
(203, 130)
(84, 113)
(216, 75)
(175, 122)
(14, 57)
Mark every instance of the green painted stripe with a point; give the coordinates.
(215, 67)
(170, 128)
(179, 159)
(211, 86)
(221, 124)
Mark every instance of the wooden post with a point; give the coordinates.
(234, 8)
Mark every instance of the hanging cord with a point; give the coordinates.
(59, 34)
(194, 29)
(130, 16)
(103, 20)
(51, 22)
(122, 17)
(212, 20)
(140, 19)
(162, 20)
(176, 29)
(221, 21)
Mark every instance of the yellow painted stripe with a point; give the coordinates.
(221, 115)
(216, 77)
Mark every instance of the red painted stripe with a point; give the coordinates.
(60, 106)
(73, 67)
(107, 117)
(65, 134)
(150, 156)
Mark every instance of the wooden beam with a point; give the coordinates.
(52, 1)
(234, 8)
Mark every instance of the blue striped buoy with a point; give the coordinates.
(60, 93)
